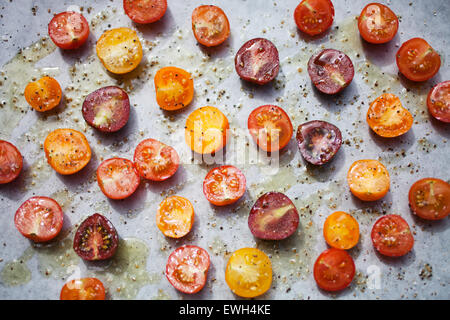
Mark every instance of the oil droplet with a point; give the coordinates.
(16, 272)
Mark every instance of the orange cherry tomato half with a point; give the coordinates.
(119, 50)
(387, 117)
(377, 23)
(187, 268)
(429, 198)
(368, 180)
(175, 216)
(83, 289)
(438, 101)
(210, 25)
(270, 127)
(341, 230)
(117, 178)
(391, 236)
(43, 94)
(145, 11)
(67, 151)
(155, 160)
(314, 17)
(224, 185)
(417, 60)
(11, 162)
(334, 270)
(174, 88)
(249, 272)
(206, 130)
(68, 30)
(39, 219)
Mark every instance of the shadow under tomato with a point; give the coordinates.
(78, 181)
(10, 190)
(402, 261)
(81, 53)
(163, 27)
(405, 141)
(317, 39)
(133, 205)
(267, 92)
(441, 127)
(327, 171)
(382, 54)
(419, 87)
(134, 80)
(431, 225)
(337, 102)
(174, 183)
(216, 52)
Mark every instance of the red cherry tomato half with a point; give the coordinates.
(68, 30)
(314, 17)
(257, 61)
(210, 25)
(438, 101)
(377, 23)
(145, 11)
(429, 198)
(39, 219)
(83, 289)
(417, 60)
(330, 70)
(117, 178)
(155, 161)
(334, 270)
(96, 238)
(11, 162)
(224, 185)
(391, 236)
(273, 217)
(318, 141)
(187, 268)
(107, 109)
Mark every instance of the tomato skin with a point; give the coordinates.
(391, 236)
(83, 289)
(175, 217)
(145, 11)
(417, 60)
(174, 88)
(210, 25)
(314, 17)
(429, 198)
(39, 219)
(341, 230)
(368, 180)
(68, 30)
(225, 177)
(11, 162)
(438, 101)
(377, 23)
(117, 178)
(334, 270)
(187, 268)
(44, 94)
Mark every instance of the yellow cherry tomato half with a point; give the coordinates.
(175, 217)
(43, 94)
(368, 180)
(174, 88)
(341, 230)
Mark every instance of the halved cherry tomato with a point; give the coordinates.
(68, 30)
(119, 50)
(206, 130)
(11, 162)
(187, 268)
(155, 160)
(334, 270)
(387, 117)
(368, 180)
(107, 109)
(249, 272)
(67, 151)
(39, 219)
(330, 70)
(96, 238)
(318, 141)
(43, 94)
(341, 230)
(174, 88)
(377, 23)
(270, 127)
(117, 178)
(391, 236)
(175, 216)
(210, 25)
(429, 198)
(83, 289)
(314, 17)
(224, 185)
(257, 61)
(438, 101)
(145, 11)
(273, 217)
(417, 60)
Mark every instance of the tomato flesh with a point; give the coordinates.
(368, 180)
(68, 30)
(145, 11)
(44, 94)
(175, 216)
(377, 23)
(210, 25)
(117, 178)
(174, 88)
(83, 289)
(341, 230)
(438, 101)
(429, 198)
(314, 17)
(11, 162)
(391, 236)
(334, 270)
(224, 185)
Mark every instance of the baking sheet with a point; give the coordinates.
(29, 271)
